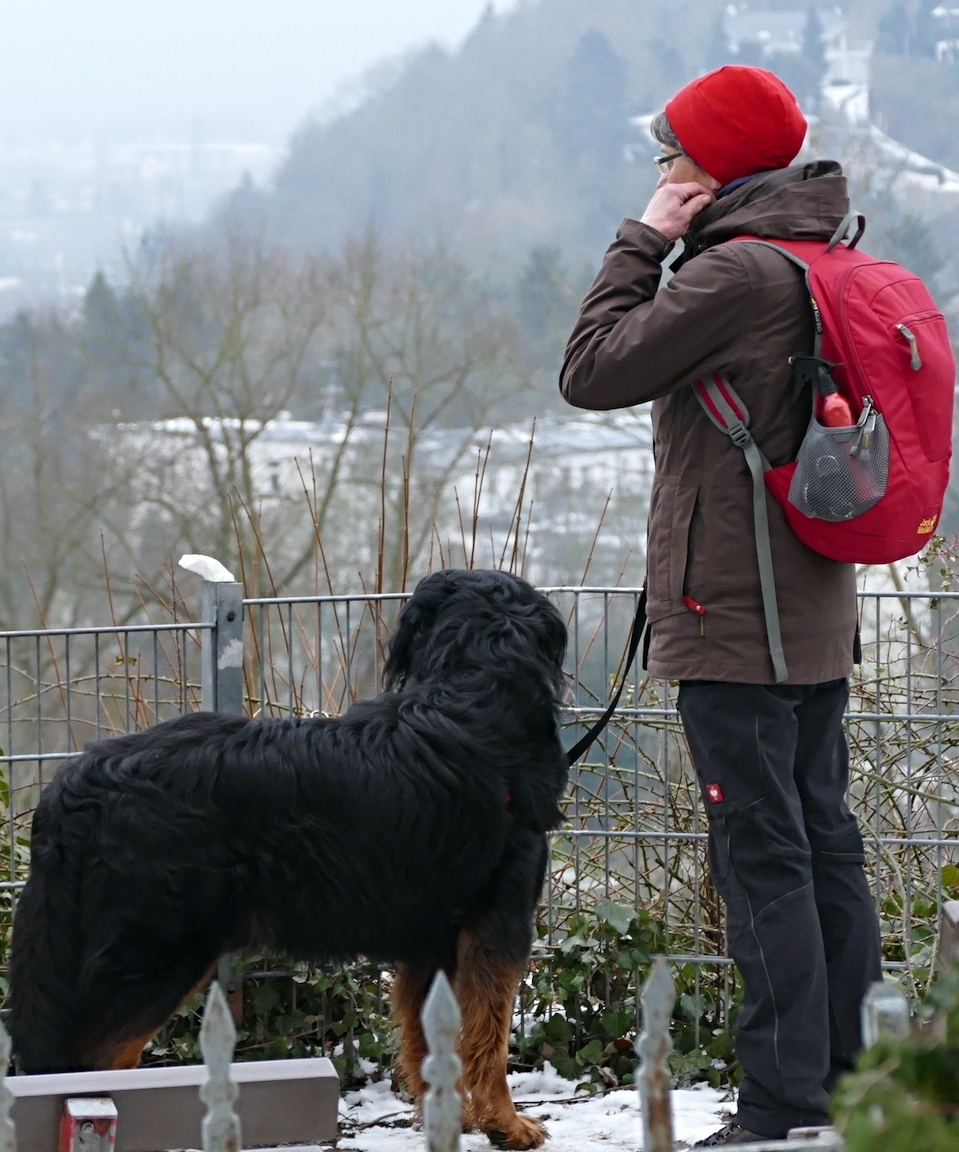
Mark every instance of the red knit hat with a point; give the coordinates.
(737, 121)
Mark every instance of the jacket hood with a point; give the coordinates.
(804, 202)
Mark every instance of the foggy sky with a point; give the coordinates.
(176, 69)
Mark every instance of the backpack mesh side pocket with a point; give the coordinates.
(841, 472)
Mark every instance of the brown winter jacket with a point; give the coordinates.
(742, 310)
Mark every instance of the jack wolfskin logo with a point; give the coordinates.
(926, 526)
(715, 793)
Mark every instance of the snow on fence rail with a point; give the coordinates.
(633, 845)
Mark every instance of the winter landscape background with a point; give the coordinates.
(242, 339)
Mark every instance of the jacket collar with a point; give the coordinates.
(804, 202)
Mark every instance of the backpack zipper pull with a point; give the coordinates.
(699, 609)
(915, 359)
(867, 426)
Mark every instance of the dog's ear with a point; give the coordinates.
(553, 637)
(407, 644)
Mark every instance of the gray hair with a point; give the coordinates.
(661, 128)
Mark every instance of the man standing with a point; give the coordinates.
(785, 852)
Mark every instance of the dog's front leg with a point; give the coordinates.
(485, 987)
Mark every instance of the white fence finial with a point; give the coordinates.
(442, 1107)
(8, 1133)
(885, 1012)
(221, 1125)
(653, 1048)
(207, 567)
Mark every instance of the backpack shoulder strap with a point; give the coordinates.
(725, 409)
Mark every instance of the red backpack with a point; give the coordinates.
(871, 493)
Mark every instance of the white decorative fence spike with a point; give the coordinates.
(8, 1133)
(221, 1125)
(653, 1048)
(442, 1107)
(885, 1012)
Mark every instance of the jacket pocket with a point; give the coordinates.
(670, 515)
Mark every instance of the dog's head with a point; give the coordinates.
(459, 619)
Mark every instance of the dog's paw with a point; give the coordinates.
(523, 1132)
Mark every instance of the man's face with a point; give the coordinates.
(682, 170)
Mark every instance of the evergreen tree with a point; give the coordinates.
(718, 51)
(591, 110)
(547, 305)
(100, 304)
(813, 47)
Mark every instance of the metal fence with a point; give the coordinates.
(634, 835)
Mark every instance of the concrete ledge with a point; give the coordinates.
(281, 1102)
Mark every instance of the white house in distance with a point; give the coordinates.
(584, 469)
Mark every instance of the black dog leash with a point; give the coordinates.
(635, 635)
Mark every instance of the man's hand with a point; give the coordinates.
(674, 206)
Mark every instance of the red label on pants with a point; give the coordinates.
(715, 793)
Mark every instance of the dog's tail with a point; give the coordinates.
(45, 954)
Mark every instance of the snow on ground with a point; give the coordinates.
(373, 1119)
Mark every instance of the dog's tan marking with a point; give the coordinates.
(485, 988)
(128, 1055)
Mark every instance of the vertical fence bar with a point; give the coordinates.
(156, 676)
(347, 654)
(39, 683)
(262, 624)
(320, 699)
(125, 649)
(12, 810)
(68, 693)
(290, 667)
(97, 691)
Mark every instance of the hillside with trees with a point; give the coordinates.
(521, 136)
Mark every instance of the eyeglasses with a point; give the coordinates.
(664, 163)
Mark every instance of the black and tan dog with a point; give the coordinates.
(412, 830)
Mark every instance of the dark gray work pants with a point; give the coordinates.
(786, 855)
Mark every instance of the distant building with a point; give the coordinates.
(947, 20)
(778, 32)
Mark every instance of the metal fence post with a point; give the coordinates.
(221, 689)
(222, 658)
(653, 1048)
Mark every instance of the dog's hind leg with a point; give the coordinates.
(485, 986)
(410, 987)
